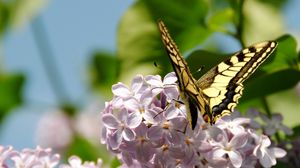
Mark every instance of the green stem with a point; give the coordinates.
(269, 114)
(47, 58)
(266, 106)
(240, 23)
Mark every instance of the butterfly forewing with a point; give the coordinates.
(222, 85)
(189, 92)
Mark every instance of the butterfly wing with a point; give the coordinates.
(189, 91)
(222, 86)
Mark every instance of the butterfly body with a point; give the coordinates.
(217, 92)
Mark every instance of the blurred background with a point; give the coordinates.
(60, 58)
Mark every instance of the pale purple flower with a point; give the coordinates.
(167, 125)
(159, 134)
(35, 158)
(5, 153)
(76, 162)
(122, 126)
(40, 158)
(167, 86)
(234, 125)
(229, 147)
(86, 123)
(267, 155)
(140, 106)
(137, 87)
(59, 132)
(274, 124)
(252, 114)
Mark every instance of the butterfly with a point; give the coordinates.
(217, 92)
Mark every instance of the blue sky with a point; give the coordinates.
(75, 29)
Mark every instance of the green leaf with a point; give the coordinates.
(11, 88)
(270, 83)
(263, 23)
(86, 151)
(115, 163)
(275, 3)
(296, 132)
(104, 71)
(23, 12)
(285, 55)
(4, 17)
(205, 59)
(138, 37)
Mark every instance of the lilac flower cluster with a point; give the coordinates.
(27, 158)
(145, 126)
(39, 158)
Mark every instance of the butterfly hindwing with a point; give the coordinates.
(222, 86)
(217, 92)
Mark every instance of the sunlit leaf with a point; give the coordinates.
(222, 20)
(275, 3)
(261, 22)
(138, 37)
(24, 11)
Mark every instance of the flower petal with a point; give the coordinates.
(128, 134)
(121, 90)
(171, 112)
(265, 141)
(110, 121)
(170, 78)
(137, 83)
(239, 140)
(278, 152)
(115, 139)
(286, 130)
(267, 160)
(131, 104)
(155, 133)
(217, 153)
(154, 80)
(235, 158)
(134, 119)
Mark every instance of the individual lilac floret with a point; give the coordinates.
(146, 126)
(121, 126)
(229, 147)
(267, 155)
(166, 86)
(274, 124)
(39, 158)
(76, 162)
(60, 132)
(5, 154)
(27, 158)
